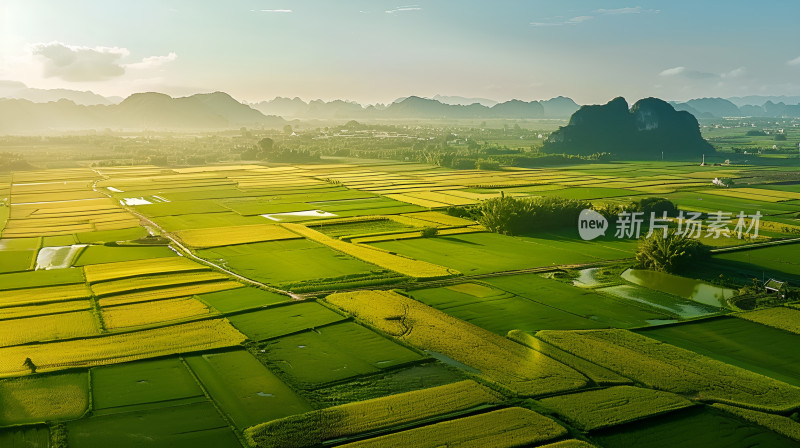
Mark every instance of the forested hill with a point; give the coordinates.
(644, 131)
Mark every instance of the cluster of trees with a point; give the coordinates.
(673, 254)
(10, 161)
(266, 149)
(514, 216)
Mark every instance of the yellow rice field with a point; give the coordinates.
(111, 271)
(133, 315)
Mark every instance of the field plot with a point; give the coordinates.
(96, 254)
(245, 390)
(132, 284)
(779, 317)
(241, 298)
(784, 426)
(333, 353)
(604, 310)
(315, 427)
(137, 314)
(118, 387)
(227, 236)
(480, 253)
(282, 320)
(501, 311)
(47, 328)
(197, 425)
(776, 261)
(287, 262)
(666, 367)
(613, 406)
(113, 271)
(168, 293)
(749, 345)
(520, 369)
(406, 266)
(44, 295)
(205, 220)
(43, 398)
(16, 260)
(15, 312)
(504, 428)
(25, 437)
(38, 279)
(110, 349)
(597, 373)
(703, 427)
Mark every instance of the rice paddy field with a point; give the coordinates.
(301, 305)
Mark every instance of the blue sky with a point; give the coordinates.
(376, 51)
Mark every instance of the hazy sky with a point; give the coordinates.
(376, 51)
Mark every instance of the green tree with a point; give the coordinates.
(672, 254)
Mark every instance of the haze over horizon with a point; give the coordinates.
(378, 51)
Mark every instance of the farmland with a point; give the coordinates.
(346, 303)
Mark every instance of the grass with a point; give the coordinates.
(518, 368)
(168, 292)
(198, 425)
(314, 428)
(596, 373)
(28, 437)
(281, 320)
(752, 346)
(279, 262)
(145, 313)
(94, 255)
(390, 382)
(15, 312)
(37, 279)
(777, 423)
(503, 311)
(43, 398)
(504, 428)
(226, 236)
(16, 260)
(699, 427)
(246, 391)
(782, 318)
(114, 271)
(600, 310)
(121, 386)
(334, 353)
(115, 348)
(133, 284)
(480, 253)
(47, 328)
(402, 265)
(602, 408)
(241, 298)
(665, 367)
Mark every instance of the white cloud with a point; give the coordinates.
(673, 71)
(152, 61)
(795, 61)
(558, 21)
(403, 9)
(272, 10)
(633, 10)
(735, 73)
(78, 63)
(688, 73)
(580, 19)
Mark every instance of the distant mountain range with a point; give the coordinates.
(28, 110)
(720, 107)
(414, 107)
(140, 111)
(18, 90)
